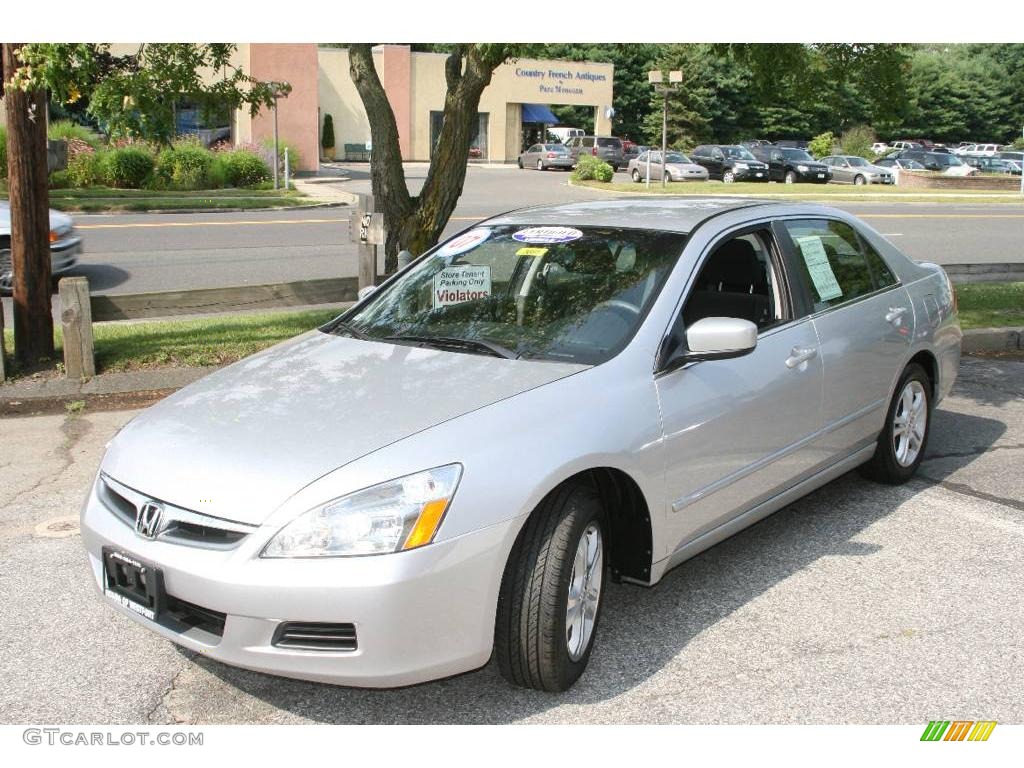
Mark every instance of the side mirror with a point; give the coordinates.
(714, 338)
(365, 291)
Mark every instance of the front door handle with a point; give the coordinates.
(894, 314)
(800, 355)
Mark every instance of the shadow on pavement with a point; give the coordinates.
(642, 630)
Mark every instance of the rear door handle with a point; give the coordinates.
(894, 314)
(800, 355)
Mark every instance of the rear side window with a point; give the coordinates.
(883, 276)
(832, 260)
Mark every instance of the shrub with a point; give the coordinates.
(821, 144)
(185, 165)
(68, 131)
(85, 169)
(126, 167)
(589, 167)
(857, 141)
(240, 168)
(3, 152)
(327, 140)
(60, 180)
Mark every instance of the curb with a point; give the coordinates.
(992, 340)
(331, 204)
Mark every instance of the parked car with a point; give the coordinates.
(792, 143)
(608, 148)
(455, 468)
(730, 162)
(880, 148)
(901, 145)
(545, 156)
(751, 143)
(993, 165)
(65, 246)
(1009, 154)
(678, 167)
(980, 150)
(904, 164)
(792, 165)
(946, 163)
(851, 169)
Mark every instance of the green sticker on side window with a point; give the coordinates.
(816, 259)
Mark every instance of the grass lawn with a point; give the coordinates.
(101, 199)
(991, 305)
(843, 192)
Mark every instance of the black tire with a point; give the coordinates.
(728, 177)
(520, 163)
(530, 628)
(859, 180)
(884, 467)
(636, 176)
(790, 177)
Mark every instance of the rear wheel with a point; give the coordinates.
(859, 180)
(790, 177)
(540, 165)
(6, 268)
(551, 593)
(728, 177)
(520, 163)
(903, 439)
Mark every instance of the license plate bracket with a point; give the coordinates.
(133, 583)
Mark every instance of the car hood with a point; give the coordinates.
(57, 219)
(241, 441)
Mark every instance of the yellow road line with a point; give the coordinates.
(145, 224)
(941, 215)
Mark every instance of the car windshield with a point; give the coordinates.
(555, 148)
(944, 159)
(738, 153)
(858, 162)
(797, 154)
(676, 157)
(543, 292)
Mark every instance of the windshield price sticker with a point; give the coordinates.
(820, 270)
(531, 250)
(464, 282)
(547, 235)
(464, 242)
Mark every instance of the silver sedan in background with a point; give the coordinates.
(65, 246)
(851, 169)
(545, 156)
(678, 167)
(454, 469)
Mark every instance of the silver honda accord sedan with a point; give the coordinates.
(555, 399)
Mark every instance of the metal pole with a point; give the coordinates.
(648, 184)
(286, 169)
(664, 133)
(1022, 170)
(275, 143)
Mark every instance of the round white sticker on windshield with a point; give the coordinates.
(547, 235)
(464, 242)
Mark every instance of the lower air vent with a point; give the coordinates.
(316, 637)
(185, 615)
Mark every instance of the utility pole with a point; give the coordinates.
(657, 78)
(27, 181)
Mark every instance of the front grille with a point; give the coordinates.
(181, 526)
(315, 636)
(180, 616)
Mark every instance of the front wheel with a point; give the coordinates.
(520, 163)
(540, 165)
(6, 269)
(551, 593)
(859, 180)
(790, 177)
(904, 437)
(728, 177)
(636, 176)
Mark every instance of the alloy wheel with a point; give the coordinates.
(540, 165)
(584, 592)
(6, 270)
(909, 423)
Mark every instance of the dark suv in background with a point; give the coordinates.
(791, 165)
(607, 148)
(730, 162)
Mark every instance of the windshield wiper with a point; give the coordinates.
(351, 330)
(455, 342)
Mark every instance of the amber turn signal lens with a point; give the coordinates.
(426, 524)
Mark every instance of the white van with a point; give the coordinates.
(564, 133)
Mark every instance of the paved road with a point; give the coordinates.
(858, 604)
(161, 252)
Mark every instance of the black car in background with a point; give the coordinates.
(932, 161)
(730, 162)
(792, 165)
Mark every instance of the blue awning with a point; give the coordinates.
(538, 113)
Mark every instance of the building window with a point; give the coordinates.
(477, 145)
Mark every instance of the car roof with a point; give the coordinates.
(671, 215)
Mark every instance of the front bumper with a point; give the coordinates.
(64, 254)
(814, 176)
(751, 174)
(419, 615)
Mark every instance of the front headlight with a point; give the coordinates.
(400, 514)
(802, 168)
(741, 166)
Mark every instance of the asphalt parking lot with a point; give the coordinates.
(858, 604)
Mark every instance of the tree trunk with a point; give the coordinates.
(411, 223)
(30, 221)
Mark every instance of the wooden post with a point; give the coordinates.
(3, 367)
(76, 319)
